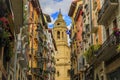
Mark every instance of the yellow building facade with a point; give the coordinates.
(63, 55)
(33, 45)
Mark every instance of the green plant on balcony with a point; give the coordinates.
(96, 47)
(118, 48)
(90, 53)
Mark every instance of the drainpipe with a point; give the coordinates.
(91, 20)
(15, 63)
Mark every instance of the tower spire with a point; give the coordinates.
(60, 10)
(60, 14)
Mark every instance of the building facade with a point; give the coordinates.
(100, 41)
(51, 55)
(7, 37)
(77, 59)
(111, 25)
(63, 54)
(23, 44)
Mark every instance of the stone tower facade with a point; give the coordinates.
(63, 55)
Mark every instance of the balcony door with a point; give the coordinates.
(114, 75)
(107, 32)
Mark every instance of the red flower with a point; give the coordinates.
(4, 20)
(115, 29)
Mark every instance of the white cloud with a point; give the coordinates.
(51, 6)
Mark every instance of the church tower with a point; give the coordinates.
(63, 55)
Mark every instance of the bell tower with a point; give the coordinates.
(63, 55)
(59, 31)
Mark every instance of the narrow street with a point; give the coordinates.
(59, 39)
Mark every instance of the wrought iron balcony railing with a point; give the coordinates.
(108, 42)
(37, 71)
(53, 69)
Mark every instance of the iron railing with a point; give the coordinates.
(111, 39)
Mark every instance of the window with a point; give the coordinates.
(68, 72)
(87, 28)
(58, 34)
(83, 61)
(11, 77)
(102, 78)
(97, 78)
(57, 59)
(62, 34)
(115, 23)
(58, 74)
(107, 32)
(58, 23)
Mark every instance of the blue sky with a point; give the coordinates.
(52, 7)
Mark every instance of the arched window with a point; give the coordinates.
(62, 34)
(58, 73)
(58, 34)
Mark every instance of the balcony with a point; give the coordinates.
(87, 9)
(23, 60)
(50, 69)
(94, 29)
(107, 49)
(85, 38)
(40, 65)
(37, 71)
(53, 60)
(45, 59)
(39, 53)
(53, 69)
(29, 77)
(105, 12)
(82, 69)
